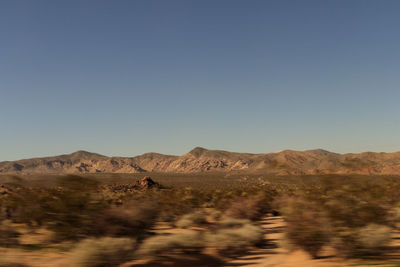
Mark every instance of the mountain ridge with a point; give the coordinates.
(286, 162)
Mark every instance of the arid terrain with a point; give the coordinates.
(199, 219)
(205, 208)
(288, 162)
(208, 133)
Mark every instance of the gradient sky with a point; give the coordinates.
(128, 77)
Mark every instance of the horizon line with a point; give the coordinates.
(198, 147)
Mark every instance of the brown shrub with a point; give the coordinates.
(232, 241)
(306, 226)
(252, 208)
(196, 218)
(228, 222)
(130, 220)
(371, 240)
(102, 252)
(156, 245)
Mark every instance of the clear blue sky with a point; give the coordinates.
(128, 77)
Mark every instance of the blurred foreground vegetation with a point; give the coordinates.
(112, 220)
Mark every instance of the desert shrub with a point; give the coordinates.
(286, 243)
(370, 240)
(306, 225)
(132, 220)
(192, 219)
(213, 215)
(252, 208)
(8, 235)
(351, 206)
(374, 237)
(345, 243)
(188, 241)
(231, 241)
(77, 183)
(72, 214)
(174, 203)
(228, 222)
(23, 205)
(102, 252)
(69, 209)
(342, 213)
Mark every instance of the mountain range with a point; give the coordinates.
(287, 162)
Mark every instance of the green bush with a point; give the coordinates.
(102, 252)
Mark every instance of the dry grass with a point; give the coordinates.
(196, 218)
(102, 252)
(161, 244)
(250, 207)
(231, 241)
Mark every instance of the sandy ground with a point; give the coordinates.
(273, 255)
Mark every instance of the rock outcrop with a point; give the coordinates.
(145, 183)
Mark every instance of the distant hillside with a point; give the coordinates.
(202, 160)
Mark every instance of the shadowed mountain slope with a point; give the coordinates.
(287, 162)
